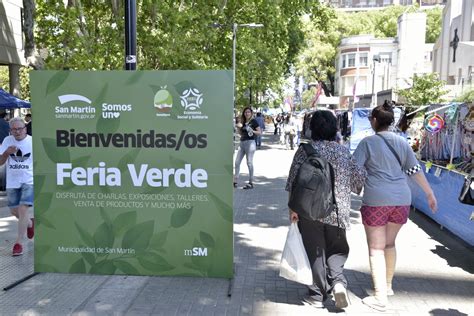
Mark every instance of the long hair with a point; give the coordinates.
(244, 120)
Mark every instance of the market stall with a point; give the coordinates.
(446, 152)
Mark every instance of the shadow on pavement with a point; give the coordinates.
(446, 312)
(453, 249)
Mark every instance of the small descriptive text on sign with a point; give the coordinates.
(132, 200)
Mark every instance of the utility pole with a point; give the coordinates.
(130, 35)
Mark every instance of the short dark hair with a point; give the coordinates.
(28, 115)
(384, 116)
(323, 125)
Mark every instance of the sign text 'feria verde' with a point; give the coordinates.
(133, 172)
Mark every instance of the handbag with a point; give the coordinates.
(294, 263)
(467, 195)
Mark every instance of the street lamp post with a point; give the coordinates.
(376, 58)
(234, 46)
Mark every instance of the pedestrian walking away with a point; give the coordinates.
(248, 129)
(386, 201)
(261, 123)
(29, 124)
(325, 239)
(16, 150)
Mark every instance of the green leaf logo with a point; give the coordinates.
(54, 153)
(106, 126)
(85, 236)
(181, 216)
(105, 217)
(41, 220)
(126, 267)
(103, 92)
(89, 257)
(138, 237)
(103, 236)
(78, 267)
(43, 201)
(39, 183)
(158, 240)
(56, 81)
(154, 262)
(128, 158)
(124, 221)
(207, 240)
(224, 209)
(135, 77)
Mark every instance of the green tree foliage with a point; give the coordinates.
(24, 81)
(426, 89)
(89, 35)
(434, 21)
(467, 96)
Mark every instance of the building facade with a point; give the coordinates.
(11, 40)
(360, 5)
(454, 49)
(366, 65)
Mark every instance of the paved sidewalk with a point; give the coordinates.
(434, 274)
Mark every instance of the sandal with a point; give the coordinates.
(248, 186)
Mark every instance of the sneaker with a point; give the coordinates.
(311, 300)
(390, 292)
(17, 250)
(30, 231)
(374, 303)
(340, 296)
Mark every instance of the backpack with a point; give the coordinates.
(312, 192)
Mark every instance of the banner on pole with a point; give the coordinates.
(133, 172)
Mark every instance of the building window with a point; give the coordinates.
(386, 58)
(363, 59)
(351, 60)
(343, 57)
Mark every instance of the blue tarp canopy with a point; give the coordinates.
(8, 101)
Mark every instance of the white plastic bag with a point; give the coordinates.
(294, 263)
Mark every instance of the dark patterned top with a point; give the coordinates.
(348, 177)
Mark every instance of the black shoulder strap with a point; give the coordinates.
(391, 149)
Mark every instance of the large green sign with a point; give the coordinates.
(133, 172)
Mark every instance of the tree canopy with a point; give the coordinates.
(89, 35)
(426, 89)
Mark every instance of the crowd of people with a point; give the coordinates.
(378, 169)
(378, 166)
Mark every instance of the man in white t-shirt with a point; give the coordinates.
(16, 151)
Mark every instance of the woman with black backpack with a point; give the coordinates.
(325, 239)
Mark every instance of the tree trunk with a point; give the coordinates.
(115, 8)
(32, 58)
(331, 79)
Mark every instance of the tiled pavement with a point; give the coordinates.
(435, 271)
